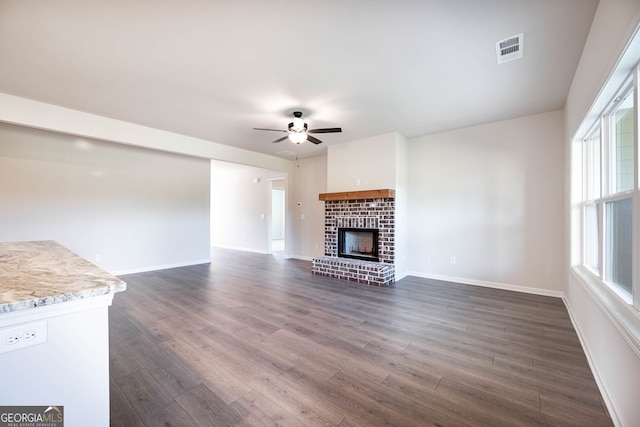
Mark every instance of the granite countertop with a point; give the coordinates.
(34, 274)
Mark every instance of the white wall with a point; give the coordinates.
(29, 113)
(241, 206)
(606, 342)
(492, 197)
(309, 180)
(402, 207)
(363, 164)
(136, 208)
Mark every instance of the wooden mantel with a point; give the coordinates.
(356, 195)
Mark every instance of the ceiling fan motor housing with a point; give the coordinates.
(294, 128)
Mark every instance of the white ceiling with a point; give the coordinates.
(215, 69)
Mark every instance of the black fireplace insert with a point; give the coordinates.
(358, 243)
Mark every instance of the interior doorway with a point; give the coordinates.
(242, 208)
(278, 215)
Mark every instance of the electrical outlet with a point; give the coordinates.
(29, 335)
(21, 336)
(453, 260)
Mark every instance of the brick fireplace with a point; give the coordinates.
(359, 210)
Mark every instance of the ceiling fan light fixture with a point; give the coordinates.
(297, 131)
(297, 137)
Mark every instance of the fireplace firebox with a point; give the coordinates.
(358, 243)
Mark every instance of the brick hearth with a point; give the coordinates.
(371, 273)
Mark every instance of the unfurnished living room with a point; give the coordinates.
(407, 213)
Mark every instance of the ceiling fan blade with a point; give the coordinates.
(313, 139)
(280, 139)
(325, 130)
(275, 130)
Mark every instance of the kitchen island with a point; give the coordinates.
(54, 331)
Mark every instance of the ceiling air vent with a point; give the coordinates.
(510, 48)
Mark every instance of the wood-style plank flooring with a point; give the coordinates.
(258, 340)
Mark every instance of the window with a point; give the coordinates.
(621, 146)
(617, 246)
(610, 179)
(591, 237)
(591, 199)
(592, 167)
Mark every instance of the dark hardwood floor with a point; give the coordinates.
(258, 340)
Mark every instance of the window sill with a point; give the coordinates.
(621, 314)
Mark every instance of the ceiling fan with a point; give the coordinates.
(298, 132)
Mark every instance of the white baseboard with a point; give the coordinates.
(159, 267)
(400, 276)
(257, 251)
(243, 249)
(300, 257)
(594, 368)
(486, 284)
